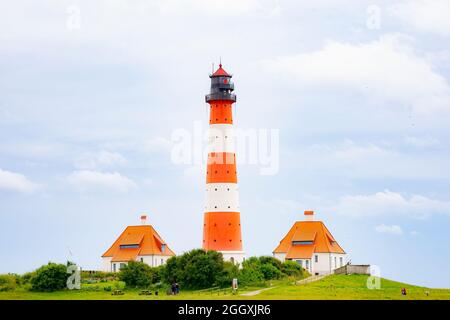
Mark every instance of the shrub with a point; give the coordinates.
(98, 275)
(270, 272)
(292, 268)
(267, 268)
(196, 269)
(250, 276)
(7, 282)
(201, 269)
(271, 261)
(229, 272)
(137, 274)
(50, 277)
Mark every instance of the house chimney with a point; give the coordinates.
(309, 215)
(144, 219)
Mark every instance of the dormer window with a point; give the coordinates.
(295, 243)
(163, 248)
(129, 246)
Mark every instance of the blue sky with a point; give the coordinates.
(92, 92)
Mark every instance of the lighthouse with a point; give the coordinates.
(222, 223)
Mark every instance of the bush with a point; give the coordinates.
(98, 275)
(196, 269)
(292, 268)
(7, 282)
(201, 269)
(250, 276)
(137, 274)
(229, 272)
(50, 277)
(270, 272)
(26, 278)
(271, 261)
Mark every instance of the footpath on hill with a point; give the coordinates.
(299, 282)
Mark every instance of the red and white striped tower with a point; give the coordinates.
(222, 223)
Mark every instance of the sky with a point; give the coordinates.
(354, 95)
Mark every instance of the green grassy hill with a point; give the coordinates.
(331, 287)
(352, 287)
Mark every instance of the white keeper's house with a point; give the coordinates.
(138, 243)
(311, 245)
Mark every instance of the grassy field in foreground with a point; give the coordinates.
(331, 287)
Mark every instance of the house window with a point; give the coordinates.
(142, 259)
(163, 248)
(300, 262)
(302, 242)
(121, 265)
(307, 264)
(162, 261)
(114, 267)
(341, 261)
(232, 260)
(316, 258)
(335, 263)
(129, 246)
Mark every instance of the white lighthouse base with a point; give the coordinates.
(237, 257)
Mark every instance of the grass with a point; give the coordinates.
(331, 287)
(353, 287)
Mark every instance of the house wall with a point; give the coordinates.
(106, 264)
(235, 256)
(153, 260)
(325, 262)
(280, 256)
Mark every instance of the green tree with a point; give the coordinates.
(202, 269)
(50, 277)
(137, 274)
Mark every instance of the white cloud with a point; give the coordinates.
(430, 16)
(389, 229)
(422, 142)
(387, 69)
(390, 203)
(158, 144)
(17, 182)
(94, 180)
(99, 160)
(218, 7)
(414, 233)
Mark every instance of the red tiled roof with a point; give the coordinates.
(148, 240)
(315, 231)
(300, 252)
